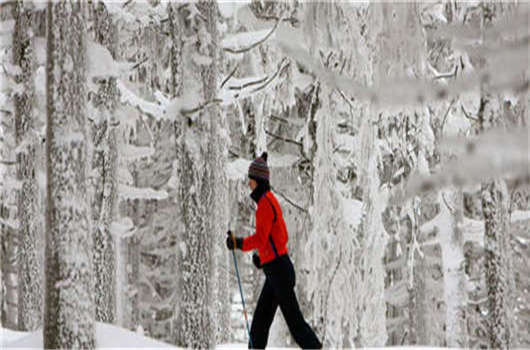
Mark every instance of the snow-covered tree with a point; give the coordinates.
(69, 300)
(31, 232)
(196, 323)
(8, 182)
(104, 170)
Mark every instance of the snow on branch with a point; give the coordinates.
(101, 64)
(229, 93)
(248, 40)
(245, 87)
(151, 109)
(122, 228)
(131, 152)
(503, 75)
(496, 153)
(130, 192)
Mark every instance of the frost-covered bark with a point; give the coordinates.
(330, 246)
(499, 275)
(104, 165)
(372, 328)
(218, 157)
(452, 244)
(372, 323)
(498, 252)
(198, 189)
(69, 310)
(30, 281)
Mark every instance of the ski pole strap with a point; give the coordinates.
(234, 240)
(270, 234)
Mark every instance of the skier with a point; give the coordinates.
(270, 240)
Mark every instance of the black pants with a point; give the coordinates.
(279, 291)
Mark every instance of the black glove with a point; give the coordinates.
(230, 241)
(256, 261)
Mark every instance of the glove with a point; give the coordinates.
(230, 241)
(256, 261)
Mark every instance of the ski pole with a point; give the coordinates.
(241, 292)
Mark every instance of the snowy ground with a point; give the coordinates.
(110, 336)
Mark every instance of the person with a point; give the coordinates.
(270, 240)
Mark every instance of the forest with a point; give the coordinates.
(397, 140)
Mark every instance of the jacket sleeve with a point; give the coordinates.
(264, 218)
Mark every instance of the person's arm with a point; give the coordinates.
(264, 218)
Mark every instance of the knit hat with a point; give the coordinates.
(258, 169)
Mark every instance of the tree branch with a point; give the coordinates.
(446, 75)
(467, 115)
(257, 43)
(229, 75)
(139, 63)
(293, 20)
(186, 112)
(283, 138)
(288, 200)
(274, 76)
(446, 114)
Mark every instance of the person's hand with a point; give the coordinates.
(233, 242)
(256, 261)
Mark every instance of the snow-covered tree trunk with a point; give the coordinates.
(30, 232)
(499, 282)
(69, 307)
(104, 165)
(8, 200)
(452, 245)
(372, 322)
(196, 324)
(499, 272)
(372, 325)
(218, 158)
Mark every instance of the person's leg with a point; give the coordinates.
(283, 280)
(300, 330)
(263, 317)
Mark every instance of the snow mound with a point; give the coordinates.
(107, 336)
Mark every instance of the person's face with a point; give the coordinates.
(252, 184)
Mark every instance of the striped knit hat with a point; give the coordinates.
(258, 169)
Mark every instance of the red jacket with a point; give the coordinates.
(271, 232)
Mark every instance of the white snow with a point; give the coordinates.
(131, 152)
(7, 26)
(107, 336)
(244, 39)
(520, 215)
(130, 192)
(101, 63)
(237, 169)
(111, 336)
(150, 108)
(122, 227)
(39, 45)
(352, 212)
(230, 7)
